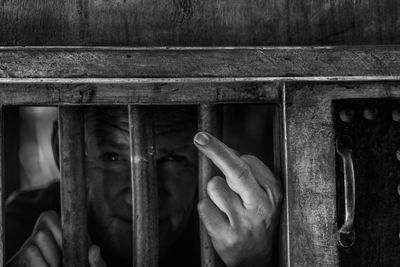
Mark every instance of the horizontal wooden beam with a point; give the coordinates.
(276, 63)
(174, 93)
(152, 48)
(198, 80)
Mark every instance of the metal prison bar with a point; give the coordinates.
(300, 81)
(144, 185)
(209, 120)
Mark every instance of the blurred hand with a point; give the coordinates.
(95, 258)
(43, 248)
(242, 211)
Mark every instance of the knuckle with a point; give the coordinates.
(48, 220)
(279, 194)
(275, 195)
(246, 223)
(203, 205)
(248, 157)
(44, 217)
(232, 241)
(261, 211)
(48, 215)
(200, 205)
(214, 184)
(270, 176)
(244, 172)
(42, 236)
(32, 251)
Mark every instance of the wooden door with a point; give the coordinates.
(314, 179)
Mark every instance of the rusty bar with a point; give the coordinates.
(209, 121)
(144, 186)
(73, 187)
(2, 190)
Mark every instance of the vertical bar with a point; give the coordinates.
(279, 139)
(2, 190)
(73, 187)
(209, 121)
(285, 228)
(12, 121)
(144, 186)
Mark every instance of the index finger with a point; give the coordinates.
(237, 172)
(51, 221)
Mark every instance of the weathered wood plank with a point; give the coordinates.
(2, 191)
(142, 22)
(278, 63)
(311, 181)
(25, 22)
(343, 22)
(189, 22)
(144, 187)
(322, 91)
(279, 170)
(173, 93)
(209, 121)
(73, 187)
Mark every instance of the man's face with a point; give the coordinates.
(109, 181)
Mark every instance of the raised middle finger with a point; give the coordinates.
(237, 172)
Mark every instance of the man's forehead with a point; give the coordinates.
(167, 119)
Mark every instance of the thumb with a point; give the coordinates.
(95, 258)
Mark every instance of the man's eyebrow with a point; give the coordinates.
(118, 145)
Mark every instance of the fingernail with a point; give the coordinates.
(201, 139)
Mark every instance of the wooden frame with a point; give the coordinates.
(311, 179)
(300, 81)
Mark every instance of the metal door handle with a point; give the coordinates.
(346, 234)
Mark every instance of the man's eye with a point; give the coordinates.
(171, 158)
(110, 156)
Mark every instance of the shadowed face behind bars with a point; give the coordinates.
(109, 183)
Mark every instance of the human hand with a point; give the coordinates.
(43, 247)
(95, 258)
(242, 211)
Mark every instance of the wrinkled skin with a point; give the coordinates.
(241, 213)
(109, 185)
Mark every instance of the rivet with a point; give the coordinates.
(398, 189)
(346, 115)
(396, 115)
(370, 113)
